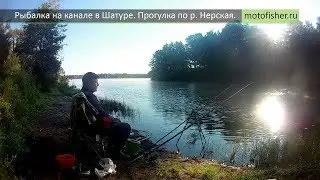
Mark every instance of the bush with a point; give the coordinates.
(20, 102)
(67, 90)
(296, 150)
(12, 65)
(63, 85)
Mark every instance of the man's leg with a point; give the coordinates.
(81, 152)
(119, 133)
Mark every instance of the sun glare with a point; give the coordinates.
(274, 32)
(272, 112)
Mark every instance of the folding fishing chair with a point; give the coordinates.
(83, 132)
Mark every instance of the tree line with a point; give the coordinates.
(243, 53)
(35, 47)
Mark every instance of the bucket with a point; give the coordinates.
(66, 161)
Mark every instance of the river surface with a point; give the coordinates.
(232, 117)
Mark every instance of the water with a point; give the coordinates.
(232, 126)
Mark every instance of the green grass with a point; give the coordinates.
(174, 168)
(20, 103)
(19, 107)
(66, 90)
(113, 105)
(170, 168)
(296, 150)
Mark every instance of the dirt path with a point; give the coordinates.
(54, 122)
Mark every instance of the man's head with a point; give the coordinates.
(90, 82)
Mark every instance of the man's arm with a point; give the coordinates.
(96, 103)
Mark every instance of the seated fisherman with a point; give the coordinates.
(105, 124)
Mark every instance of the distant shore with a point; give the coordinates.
(109, 76)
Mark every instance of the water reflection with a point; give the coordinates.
(171, 100)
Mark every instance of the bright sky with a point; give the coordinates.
(128, 48)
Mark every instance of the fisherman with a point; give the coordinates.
(105, 124)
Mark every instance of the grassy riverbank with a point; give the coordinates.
(172, 166)
(21, 104)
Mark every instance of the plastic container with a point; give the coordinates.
(66, 161)
(132, 147)
(108, 166)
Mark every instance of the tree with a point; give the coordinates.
(242, 53)
(15, 37)
(195, 47)
(170, 63)
(4, 45)
(40, 49)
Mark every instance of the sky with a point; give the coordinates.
(128, 48)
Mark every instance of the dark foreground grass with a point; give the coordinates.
(20, 103)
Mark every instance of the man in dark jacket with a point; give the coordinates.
(117, 130)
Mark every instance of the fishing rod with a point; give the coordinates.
(172, 130)
(158, 146)
(192, 116)
(185, 121)
(223, 91)
(91, 146)
(202, 137)
(179, 138)
(199, 125)
(237, 92)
